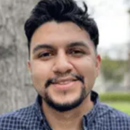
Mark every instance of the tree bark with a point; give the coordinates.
(16, 89)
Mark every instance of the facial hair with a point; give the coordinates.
(62, 107)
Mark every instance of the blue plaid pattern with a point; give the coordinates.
(101, 117)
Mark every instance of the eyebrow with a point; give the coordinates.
(80, 43)
(43, 46)
(73, 44)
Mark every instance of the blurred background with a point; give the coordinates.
(113, 84)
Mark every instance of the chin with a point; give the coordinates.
(65, 104)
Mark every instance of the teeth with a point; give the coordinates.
(65, 82)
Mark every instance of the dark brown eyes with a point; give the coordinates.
(77, 52)
(49, 54)
(44, 54)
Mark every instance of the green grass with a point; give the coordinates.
(122, 106)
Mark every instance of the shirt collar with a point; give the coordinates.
(38, 109)
(88, 117)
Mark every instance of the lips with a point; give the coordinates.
(64, 84)
(63, 81)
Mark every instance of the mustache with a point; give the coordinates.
(52, 80)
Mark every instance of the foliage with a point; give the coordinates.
(120, 101)
(113, 70)
(122, 97)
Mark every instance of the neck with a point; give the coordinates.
(69, 120)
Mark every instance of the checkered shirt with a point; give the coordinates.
(101, 117)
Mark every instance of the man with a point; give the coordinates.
(64, 64)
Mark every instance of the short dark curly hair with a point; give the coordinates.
(61, 11)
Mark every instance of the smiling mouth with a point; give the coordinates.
(64, 84)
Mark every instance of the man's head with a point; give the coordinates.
(61, 11)
(62, 43)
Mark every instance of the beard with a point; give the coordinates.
(63, 107)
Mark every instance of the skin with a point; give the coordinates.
(70, 51)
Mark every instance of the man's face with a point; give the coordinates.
(59, 53)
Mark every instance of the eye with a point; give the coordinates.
(45, 55)
(76, 52)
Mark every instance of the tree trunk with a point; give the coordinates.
(16, 89)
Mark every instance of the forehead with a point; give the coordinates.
(59, 34)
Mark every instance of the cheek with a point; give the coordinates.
(87, 69)
(40, 73)
(85, 65)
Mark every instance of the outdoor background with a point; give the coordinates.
(113, 19)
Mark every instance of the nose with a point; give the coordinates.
(62, 64)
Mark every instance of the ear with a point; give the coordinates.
(98, 64)
(29, 65)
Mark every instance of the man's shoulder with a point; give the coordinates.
(16, 118)
(23, 112)
(107, 113)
